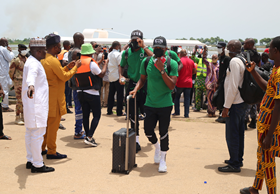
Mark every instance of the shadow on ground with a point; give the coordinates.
(244, 171)
(23, 174)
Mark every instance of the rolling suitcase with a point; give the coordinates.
(124, 146)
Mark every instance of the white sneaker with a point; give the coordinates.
(157, 156)
(162, 166)
(90, 142)
(20, 122)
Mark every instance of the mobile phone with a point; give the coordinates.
(78, 56)
(105, 54)
(31, 93)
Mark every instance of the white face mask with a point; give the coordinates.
(220, 50)
(23, 52)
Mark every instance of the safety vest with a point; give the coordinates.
(84, 79)
(61, 54)
(201, 68)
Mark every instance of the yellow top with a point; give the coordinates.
(56, 76)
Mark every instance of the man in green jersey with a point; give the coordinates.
(162, 73)
(135, 54)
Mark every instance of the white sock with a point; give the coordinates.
(157, 146)
(137, 139)
(163, 155)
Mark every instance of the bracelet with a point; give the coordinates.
(145, 47)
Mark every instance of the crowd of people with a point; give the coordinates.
(47, 78)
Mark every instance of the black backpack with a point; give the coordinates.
(250, 91)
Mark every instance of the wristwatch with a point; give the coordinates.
(162, 72)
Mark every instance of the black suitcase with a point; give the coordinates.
(124, 146)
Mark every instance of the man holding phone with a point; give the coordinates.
(162, 72)
(136, 53)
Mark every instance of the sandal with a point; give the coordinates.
(6, 137)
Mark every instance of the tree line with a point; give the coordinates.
(18, 41)
(215, 40)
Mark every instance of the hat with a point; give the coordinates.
(136, 34)
(266, 50)
(87, 49)
(37, 42)
(160, 42)
(221, 44)
(52, 39)
(22, 46)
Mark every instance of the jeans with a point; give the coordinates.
(68, 95)
(113, 88)
(187, 92)
(235, 133)
(90, 102)
(78, 114)
(153, 116)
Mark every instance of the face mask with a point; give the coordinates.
(135, 45)
(220, 50)
(214, 61)
(23, 53)
(158, 52)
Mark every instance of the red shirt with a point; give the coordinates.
(185, 75)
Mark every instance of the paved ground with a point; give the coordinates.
(197, 149)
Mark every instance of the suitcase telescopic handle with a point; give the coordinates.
(128, 119)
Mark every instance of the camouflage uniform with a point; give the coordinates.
(16, 72)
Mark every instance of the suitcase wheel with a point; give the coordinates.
(127, 172)
(113, 171)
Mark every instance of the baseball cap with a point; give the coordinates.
(160, 42)
(221, 44)
(136, 34)
(266, 50)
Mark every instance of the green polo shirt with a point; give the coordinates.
(158, 93)
(173, 56)
(133, 61)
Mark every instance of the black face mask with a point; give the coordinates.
(158, 52)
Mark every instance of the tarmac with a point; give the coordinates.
(197, 149)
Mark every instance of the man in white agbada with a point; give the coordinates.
(6, 56)
(35, 99)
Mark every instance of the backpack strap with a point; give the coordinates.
(126, 54)
(147, 62)
(168, 65)
(169, 53)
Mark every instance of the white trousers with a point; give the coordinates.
(33, 141)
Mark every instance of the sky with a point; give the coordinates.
(171, 19)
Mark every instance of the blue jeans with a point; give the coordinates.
(235, 126)
(78, 114)
(187, 92)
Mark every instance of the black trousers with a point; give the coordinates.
(153, 115)
(1, 121)
(90, 102)
(140, 101)
(115, 87)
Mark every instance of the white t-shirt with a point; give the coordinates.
(234, 79)
(95, 70)
(65, 57)
(113, 65)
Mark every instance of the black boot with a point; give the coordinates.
(253, 124)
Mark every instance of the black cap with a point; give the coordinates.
(221, 44)
(22, 46)
(160, 42)
(52, 39)
(136, 34)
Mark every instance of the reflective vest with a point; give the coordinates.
(201, 68)
(84, 79)
(61, 54)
